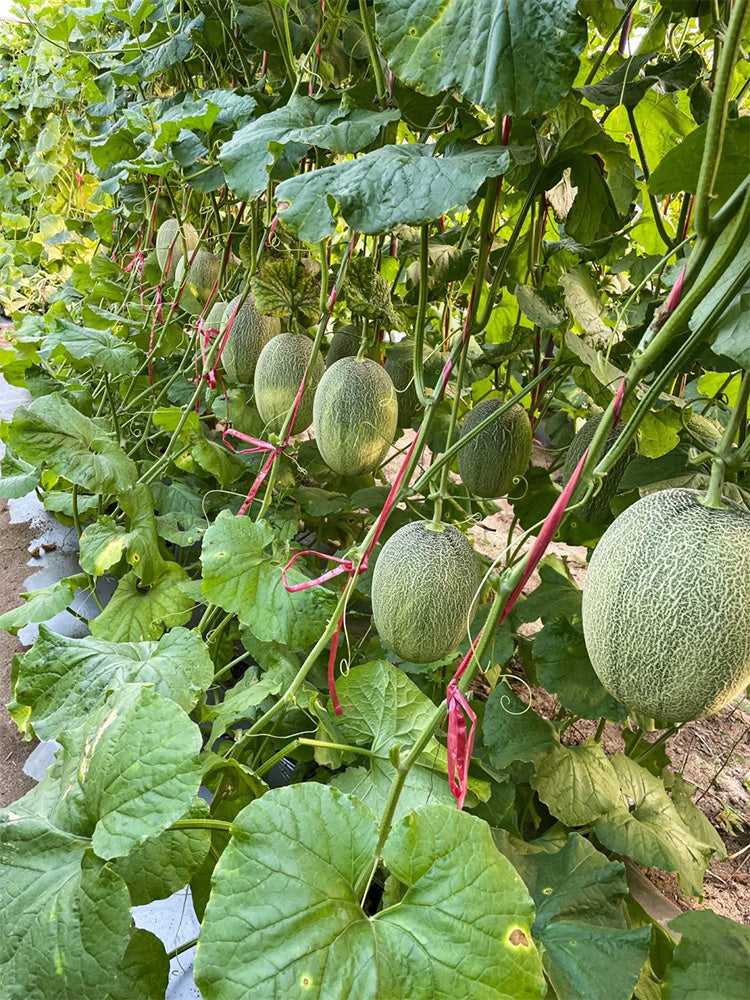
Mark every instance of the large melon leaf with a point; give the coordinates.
(421, 187)
(512, 58)
(577, 784)
(646, 826)
(383, 708)
(589, 950)
(65, 915)
(61, 680)
(241, 577)
(711, 959)
(289, 881)
(249, 156)
(73, 445)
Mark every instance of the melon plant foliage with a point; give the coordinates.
(544, 205)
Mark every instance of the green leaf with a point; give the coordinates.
(286, 287)
(584, 301)
(421, 187)
(104, 542)
(368, 294)
(100, 348)
(557, 594)
(512, 58)
(66, 914)
(61, 680)
(646, 826)
(249, 156)
(131, 802)
(659, 432)
(188, 114)
(383, 708)
(513, 731)
(577, 784)
(730, 340)
(242, 700)
(589, 950)
(72, 445)
(41, 605)
(143, 972)
(679, 169)
(136, 613)
(731, 333)
(165, 863)
(241, 577)
(601, 169)
(460, 929)
(539, 308)
(18, 477)
(711, 959)
(681, 792)
(563, 668)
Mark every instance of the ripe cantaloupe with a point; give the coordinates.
(423, 589)
(278, 376)
(354, 416)
(596, 509)
(202, 276)
(666, 606)
(249, 334)
(490, 462)
(168, 232)
(399, 363)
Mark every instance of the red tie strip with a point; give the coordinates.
(461, 743)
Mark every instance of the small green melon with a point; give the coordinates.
(167, 233)
(249, 334)
(278, 376)
(490, 462)
(596, 509)
(354, 414)
(666, 606)
(423, 590)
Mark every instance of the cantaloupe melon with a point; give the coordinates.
(423, 589)
(167, 233)
(204, 272)
(212, 320)
(399, 363)
(278, 376)
(596, 509)
(666, 606)
(249, 334)
(354, 416)
(344, 344)
(490, 462)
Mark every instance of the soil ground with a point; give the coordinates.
(14, 555)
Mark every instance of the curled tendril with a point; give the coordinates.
(505, 700)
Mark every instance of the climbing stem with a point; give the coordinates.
(372, 51)
(717, 118)
(723, 455)
(201, 824)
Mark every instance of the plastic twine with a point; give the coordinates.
(461, 741)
